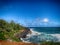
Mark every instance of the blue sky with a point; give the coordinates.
(31, 12)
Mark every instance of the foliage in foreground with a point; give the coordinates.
(9, 29)
(50, 43)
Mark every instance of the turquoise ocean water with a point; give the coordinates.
(49, 30)
(46, 34)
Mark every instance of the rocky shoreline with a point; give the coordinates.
(37, 37)
(23, 33)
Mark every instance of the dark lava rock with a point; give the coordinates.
(23, 33)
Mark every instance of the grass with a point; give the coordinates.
(50, 43)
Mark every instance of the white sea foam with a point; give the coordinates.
(57, 36)
(29, 35)
(25, 41)
(35, 33)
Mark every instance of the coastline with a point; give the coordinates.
(35, 33)
(29, 35)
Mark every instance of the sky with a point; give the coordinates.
(31, 13)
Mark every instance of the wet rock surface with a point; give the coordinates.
(23, 33)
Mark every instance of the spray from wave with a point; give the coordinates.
(37, 37)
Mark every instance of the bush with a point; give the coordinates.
(50, 43)
(7, 30)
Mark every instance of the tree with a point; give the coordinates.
(7, 30)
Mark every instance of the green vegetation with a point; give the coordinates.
(8, 30)
(50, 43)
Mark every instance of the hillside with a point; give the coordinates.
(8, 30)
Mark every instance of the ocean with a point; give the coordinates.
(40, 34)
(48, 30)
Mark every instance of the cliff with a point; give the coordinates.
(23, 33)
(9, 30)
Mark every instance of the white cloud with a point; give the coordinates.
(39, 23)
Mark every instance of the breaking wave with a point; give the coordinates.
(37, 37)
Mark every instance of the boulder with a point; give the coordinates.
(23, 33)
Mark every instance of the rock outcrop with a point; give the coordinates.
(23, 33)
